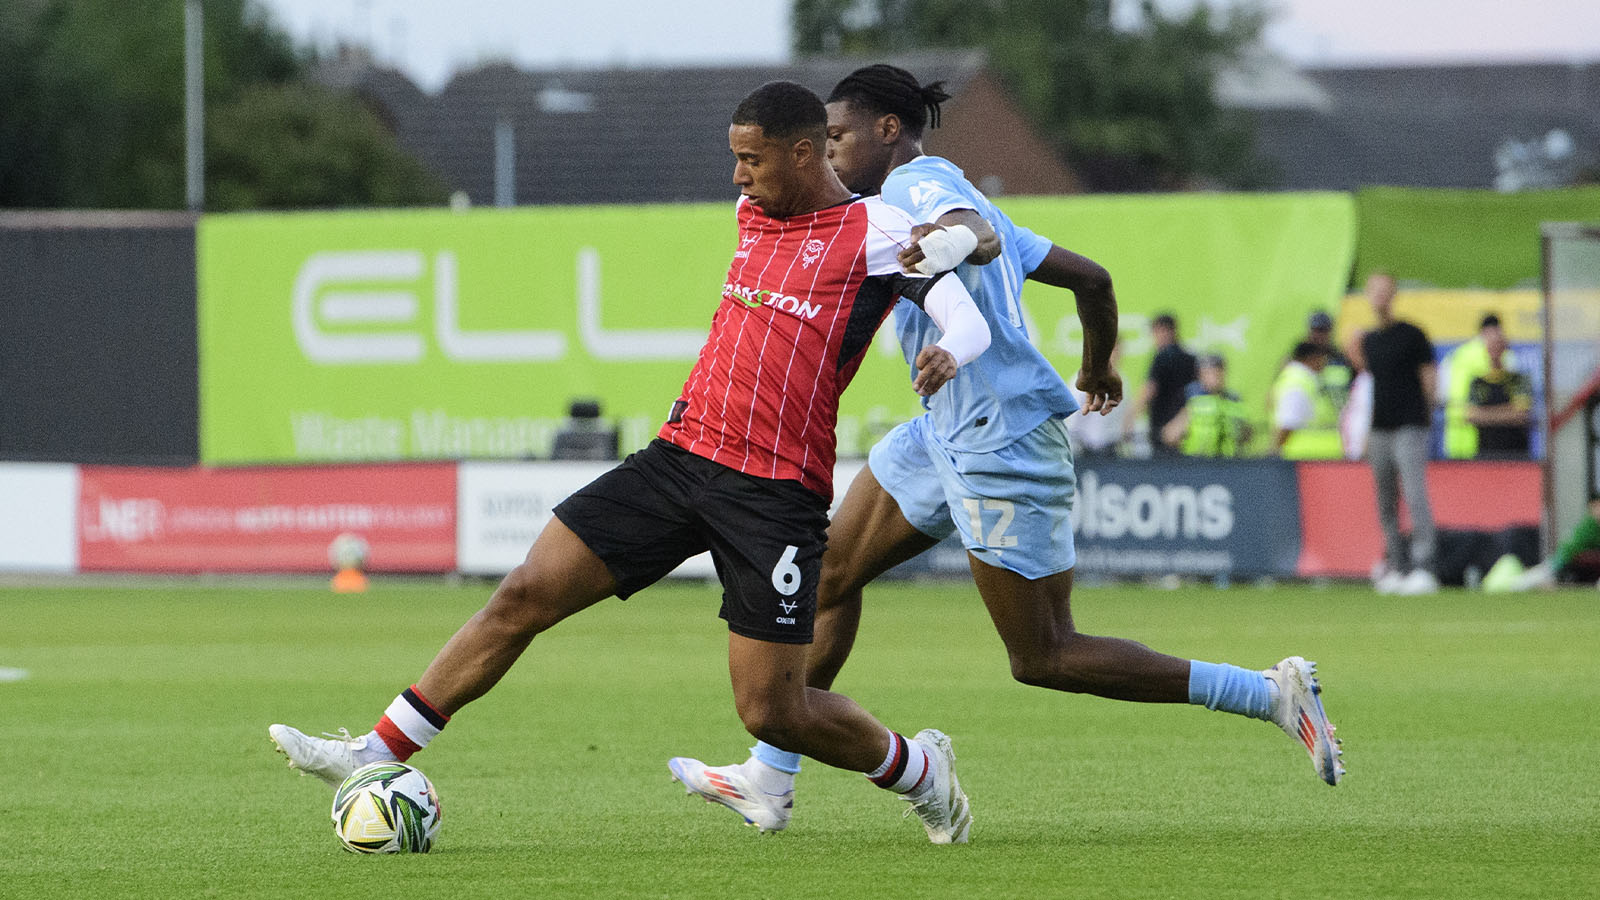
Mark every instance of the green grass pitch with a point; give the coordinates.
(136, 761)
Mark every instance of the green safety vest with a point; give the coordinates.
(1216, 424)
(1466, 362)
(1319, 439)
(1335, 381)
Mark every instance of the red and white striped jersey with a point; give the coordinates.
(801, 302)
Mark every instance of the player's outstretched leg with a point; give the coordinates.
(1034, 619)
(1298, 711)
(761, 794)
(560, 576)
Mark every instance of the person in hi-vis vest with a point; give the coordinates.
(1305, 416)
(1337, 372)
(1212, 421)
(1460, 368)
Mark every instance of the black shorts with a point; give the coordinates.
(663, 505)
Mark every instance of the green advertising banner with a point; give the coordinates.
(1462, 238)
(444, 335)
(1240, 272)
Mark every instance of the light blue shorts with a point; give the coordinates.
(1013, 506)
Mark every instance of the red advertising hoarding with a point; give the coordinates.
(265, 520)
(1339, 528)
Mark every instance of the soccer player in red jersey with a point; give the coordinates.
(743, 468)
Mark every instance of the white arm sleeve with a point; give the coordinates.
(966, 334)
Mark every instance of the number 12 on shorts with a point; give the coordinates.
(997, 535)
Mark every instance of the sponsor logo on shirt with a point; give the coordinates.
(754, 297)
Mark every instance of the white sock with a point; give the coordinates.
(905, 769)
(767, 779)
(375, 751)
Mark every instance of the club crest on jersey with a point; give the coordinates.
(755, 297)
(811, 252)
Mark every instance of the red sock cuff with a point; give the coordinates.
(395, 739)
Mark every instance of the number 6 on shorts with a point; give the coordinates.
(786, 575)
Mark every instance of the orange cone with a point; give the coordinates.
(349, 581)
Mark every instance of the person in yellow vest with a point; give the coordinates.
(1462, 366)
(1212, 421)
(1337, 372)
(1305, 416)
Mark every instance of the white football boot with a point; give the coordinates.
(940, 804)
(734, 788)
(332, 758)
(1299, 713)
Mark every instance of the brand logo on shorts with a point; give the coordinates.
(787, 606)
(811, 252)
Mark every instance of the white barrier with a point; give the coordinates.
(502, 506)
(38, 517)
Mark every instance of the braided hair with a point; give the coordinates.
(886, 89)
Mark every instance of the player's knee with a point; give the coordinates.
(1051, 664)
(767, 720)
(1033, 669)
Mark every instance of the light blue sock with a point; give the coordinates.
(1230, 689)
(782, 760)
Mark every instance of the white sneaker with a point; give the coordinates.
(941, 804)
(1389, 582)
(1299, 713)
(332, 758)
(1419, 582)
(1541, 577)
(730, 786)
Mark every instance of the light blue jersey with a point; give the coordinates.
(1011, 388)
(994, 437)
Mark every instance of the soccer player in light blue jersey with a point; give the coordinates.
(990, 460)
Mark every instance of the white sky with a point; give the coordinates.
(430, 39)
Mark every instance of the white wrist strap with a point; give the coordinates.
(945, 249)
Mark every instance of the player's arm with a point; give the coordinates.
(1090, 284)
(960, 235)
(966, 334)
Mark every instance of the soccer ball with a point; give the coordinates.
(386, 807)
(348, 551)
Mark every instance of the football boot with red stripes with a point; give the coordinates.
(733, 788)
(332, 758)
(940, 803)
(1299, 713)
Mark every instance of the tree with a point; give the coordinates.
(298, 146)
(91, 107)
(1131, 105)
